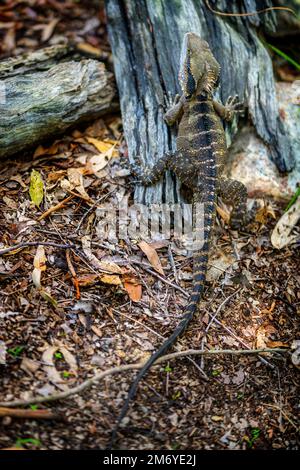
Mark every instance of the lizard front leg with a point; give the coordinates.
(148, 175)
(234, 193)
(175, 110)
(232, 107)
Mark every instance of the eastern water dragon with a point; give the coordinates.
(198, 163)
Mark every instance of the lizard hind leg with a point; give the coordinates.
(234, 193)
(148, 175)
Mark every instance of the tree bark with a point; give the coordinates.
(146, 38)
(44, 93)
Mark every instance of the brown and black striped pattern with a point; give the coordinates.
(199, 163)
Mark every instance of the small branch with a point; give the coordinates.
(33, 414)
(26, 244)
(117, 370)
(55, 208)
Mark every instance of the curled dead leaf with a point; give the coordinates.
(39, 263)
(110, 279)
(281, 235)
(133, 288)
(49, 365)
(152, 256)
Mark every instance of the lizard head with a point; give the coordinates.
(199, 70)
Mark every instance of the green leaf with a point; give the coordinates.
(168, 369)
(29, 440)
(34, 407)
(36, 188)
(284, 56)
(16, 351)
(176, 395)
(66, 374)
(293, 200)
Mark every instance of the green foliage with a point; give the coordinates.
(36, 188)
(58, 355)
(176, 395)
(28, 440)
(255, 433)
(175, 445)
(284, 56)
(293, 200)
(168, 369)
(215, 372)
(33, 407)
(16, 351)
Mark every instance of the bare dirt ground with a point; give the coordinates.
(73, 304)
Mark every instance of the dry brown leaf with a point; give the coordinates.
(152, 256)
(10, 202)
(133, 288)
(262, 335)
(105, 147)
(49, 365)
(97, 331)
(281, 234)
(39, 264)
(110, 279)
(276, 344)
(87, 280)
(29, 365)
(41, 150)
(219, 262)
(54, 176)
(296, 354)
(86, 47)
(49, 29)
(97, 163)
(75, 181)
(225, 215)
(109, 267)
(263, 213)
(3, 350)
(18, 179)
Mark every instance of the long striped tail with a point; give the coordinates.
(203, 205)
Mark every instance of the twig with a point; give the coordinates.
(275, 407)
(264, 361)
(56, 207)
(91, 208)
(26, 244)
(220, 308)
(144, 266)
(33, 414)
(117, 370)
(73, 273)
(204, 375)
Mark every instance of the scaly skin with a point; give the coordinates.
(199, 164)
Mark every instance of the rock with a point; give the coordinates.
(249, 162)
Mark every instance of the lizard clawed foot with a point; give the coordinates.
(171, 100)
(136, 166)
(233, 106)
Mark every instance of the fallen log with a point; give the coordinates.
(44, 93)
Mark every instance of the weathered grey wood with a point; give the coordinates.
(43, 93)
(146, 37)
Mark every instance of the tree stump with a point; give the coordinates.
(146, 38)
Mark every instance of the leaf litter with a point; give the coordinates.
(131, 295)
